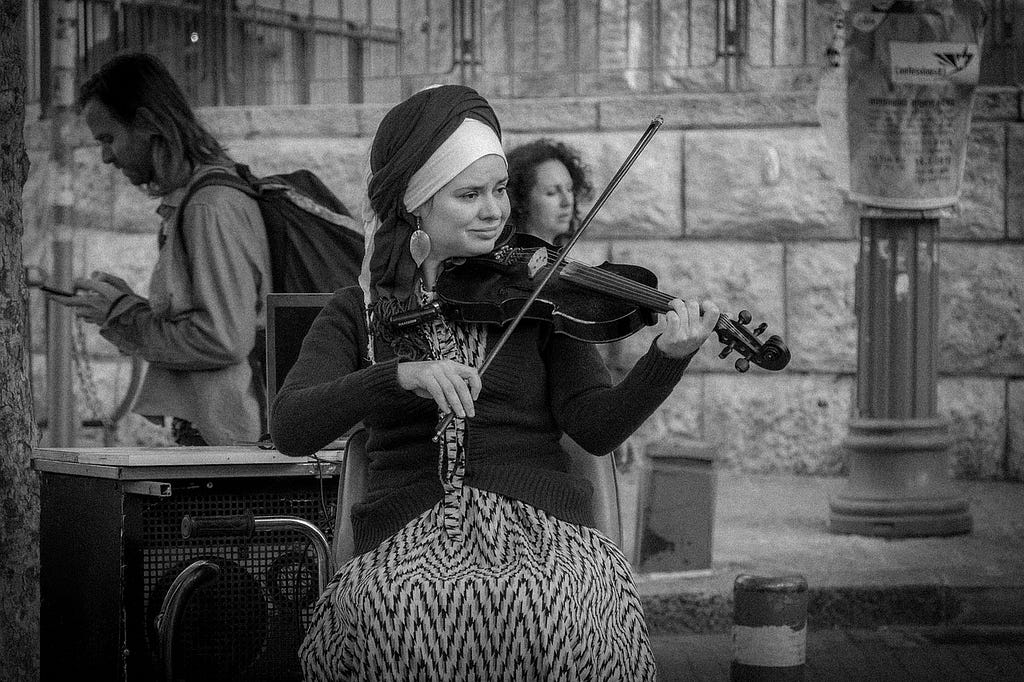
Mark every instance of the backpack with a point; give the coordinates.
(315, 243)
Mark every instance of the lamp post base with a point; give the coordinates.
(898, 484)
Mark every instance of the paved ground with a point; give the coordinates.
(949, 608)
(879, 655)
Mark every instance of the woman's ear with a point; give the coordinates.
(423, 210)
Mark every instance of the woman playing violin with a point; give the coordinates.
(475, 555)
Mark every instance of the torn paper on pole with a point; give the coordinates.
(895, 102)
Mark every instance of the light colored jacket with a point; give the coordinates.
(206, 305)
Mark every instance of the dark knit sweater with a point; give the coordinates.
(539, 386)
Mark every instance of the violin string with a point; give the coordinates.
(608, 282)
(617, 285)
(623, 287)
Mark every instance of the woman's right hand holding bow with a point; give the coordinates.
(452, 385)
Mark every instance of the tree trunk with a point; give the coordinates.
(19, 490)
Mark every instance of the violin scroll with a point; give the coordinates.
(735, 336)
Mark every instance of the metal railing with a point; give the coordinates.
(330, 51)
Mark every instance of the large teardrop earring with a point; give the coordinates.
(419, 244)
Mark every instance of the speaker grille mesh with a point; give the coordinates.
(248, 622)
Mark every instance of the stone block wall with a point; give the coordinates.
(735, 199)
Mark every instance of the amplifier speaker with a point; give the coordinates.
(109, 555)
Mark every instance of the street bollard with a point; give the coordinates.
(769, 632)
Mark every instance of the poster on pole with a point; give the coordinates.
(895, 102)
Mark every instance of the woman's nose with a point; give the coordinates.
(566, 197)
(491, 207)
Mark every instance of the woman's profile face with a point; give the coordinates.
(466, 216)
(551, 202)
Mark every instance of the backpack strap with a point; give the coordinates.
(216, 177)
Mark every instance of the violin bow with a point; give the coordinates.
(638, 148)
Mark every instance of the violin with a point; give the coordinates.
(610, 287)
(596, 304)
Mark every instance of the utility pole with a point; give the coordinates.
(898, 485)
(904, 80)
(61, 408)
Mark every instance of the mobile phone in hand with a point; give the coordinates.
(55, 291)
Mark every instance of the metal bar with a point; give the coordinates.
(510, 48)
(479, 39)
(356, 70)
(172, 608)
(926, 293)
(303, 55)
(653, 16)
(689, 33)
(149, 488)
(805, 35)
(321, 547)
(45, 58)
(629, 34)
(723, 16)
(536, 35)
(61, 402)
(901, 318)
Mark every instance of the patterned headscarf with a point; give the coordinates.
(407, 137)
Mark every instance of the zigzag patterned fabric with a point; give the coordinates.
(524, 596)
(480, 587)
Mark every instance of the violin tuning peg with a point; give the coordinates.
(744, 317)
(725, 352)
(742, 364)
(760, 329)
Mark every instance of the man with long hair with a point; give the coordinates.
(199, 325)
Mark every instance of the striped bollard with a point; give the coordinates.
(769, 631)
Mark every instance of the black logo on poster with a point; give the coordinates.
(957, 61)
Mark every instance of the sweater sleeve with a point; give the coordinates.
(598, 415)
(217, 326)
(332, 387)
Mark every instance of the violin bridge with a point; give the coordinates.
(537, 261)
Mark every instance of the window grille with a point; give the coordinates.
(237, 52)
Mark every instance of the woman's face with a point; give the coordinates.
(466, 216)
(551, 202)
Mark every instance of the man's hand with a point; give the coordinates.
(94, 296)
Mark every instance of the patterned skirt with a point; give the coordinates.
(516, 595)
